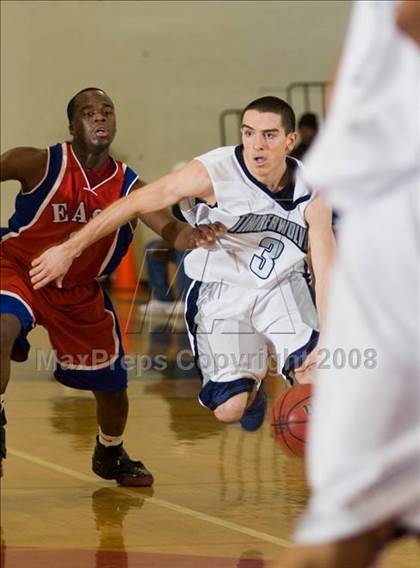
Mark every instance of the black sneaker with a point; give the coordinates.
(113, 462)
(3, 423)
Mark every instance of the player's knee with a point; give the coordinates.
(233, 409)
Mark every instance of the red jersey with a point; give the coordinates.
(61, 203)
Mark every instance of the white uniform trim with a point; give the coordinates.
(88, 187)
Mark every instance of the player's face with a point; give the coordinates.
(94, 122)
(265, 141)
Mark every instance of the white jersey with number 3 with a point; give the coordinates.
(267, 233)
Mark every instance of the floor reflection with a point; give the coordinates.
(110, 507)
(251, 558)
(75, 415)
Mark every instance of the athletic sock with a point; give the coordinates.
(107, 440)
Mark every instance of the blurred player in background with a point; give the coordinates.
(308, 128)
(250, 294)
(364, 447)
(62, 187)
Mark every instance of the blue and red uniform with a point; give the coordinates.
(79, 317)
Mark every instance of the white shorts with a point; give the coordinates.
(233, 331)
(364, 443)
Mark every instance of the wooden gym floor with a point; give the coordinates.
(222, 498)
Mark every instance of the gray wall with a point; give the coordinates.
(170, 67)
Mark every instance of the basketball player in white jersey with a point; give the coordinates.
(249, 296)
(364, 449)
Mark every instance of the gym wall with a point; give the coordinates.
(170, 67)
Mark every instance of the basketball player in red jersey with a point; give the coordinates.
(62, 188)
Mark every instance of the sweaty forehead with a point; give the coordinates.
(92, 98)
(262, 120)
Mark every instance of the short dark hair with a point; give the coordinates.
(308, 119)
(277, 106)
(72, 102)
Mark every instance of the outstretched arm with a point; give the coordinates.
(193, 180)
(180, 235)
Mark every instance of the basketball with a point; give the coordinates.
(290, 417)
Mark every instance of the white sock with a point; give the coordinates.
(107, 440)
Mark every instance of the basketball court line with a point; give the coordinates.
(154, 500)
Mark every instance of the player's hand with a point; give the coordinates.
(53, 264)
(305, 373)
(207, 235)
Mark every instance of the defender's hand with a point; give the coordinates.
(207, 235)
(53, 264)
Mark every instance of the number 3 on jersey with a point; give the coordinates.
(263, 265)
